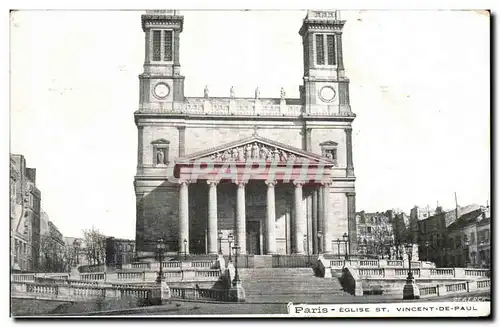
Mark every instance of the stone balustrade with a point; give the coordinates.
(223, 295)
(202, 264)
(477, 272)
(454, 288)
(98, 276)
(23, 277)
(65, 291)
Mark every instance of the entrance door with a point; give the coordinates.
(253, 237)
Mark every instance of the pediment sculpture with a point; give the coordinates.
(254, 151)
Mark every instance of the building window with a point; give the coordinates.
(320, 50)
(331, 49)
(369, 229)
(156, 45)
(325, 48)
(162, 45)
(167, 45)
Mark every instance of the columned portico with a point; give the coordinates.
(271, 219)
(212, 217)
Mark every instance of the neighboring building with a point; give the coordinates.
(375, 234)
(119, 251)
(483, 240)
(433, 238)
(25, 216)
(401, 228)
(297, 141)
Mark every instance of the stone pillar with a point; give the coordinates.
(241, 239)
(320, 220)
(314, 223)
(327, 209)
(140, 146)
(351, 222)
(182, 140)
(271, 219)
(183, 215)
(348, 140)
(212, 217)
(299, 218)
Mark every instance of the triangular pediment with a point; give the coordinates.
(256, 148)
(160, 141)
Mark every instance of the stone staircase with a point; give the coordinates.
(283, 285)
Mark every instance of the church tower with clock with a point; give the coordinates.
(304, 199)
(161, 82)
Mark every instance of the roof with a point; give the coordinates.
(466, 219)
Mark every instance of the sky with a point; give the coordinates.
(420, 86)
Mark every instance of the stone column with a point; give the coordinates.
(212, 217)
(183, 215)
(140, 146)
(351, 222)
(348, 140)
(271, 219)
(182, 140)
(327, 209)
(241, 239)
(299, 218)
(314, 223)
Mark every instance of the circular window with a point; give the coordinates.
(327, 94)
(161, 90)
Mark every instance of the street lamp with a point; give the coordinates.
(160, 247)
(427, 250)
(230, 240)
(236, 279)
(185, 249)
(410, 290)
(345, 237)
(466, 243)
(220, 242)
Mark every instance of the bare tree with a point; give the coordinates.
(95, 246)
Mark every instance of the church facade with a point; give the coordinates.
(273, 175)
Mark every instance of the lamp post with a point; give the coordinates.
(220, 242)
(466, 250)
(345, 237)
(338, 247)
(160, 247)
(230, 240)
(185, 249)
(427, 250)
(236, 279)
(410, 290)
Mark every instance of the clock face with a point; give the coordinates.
(327, 94)
(161, 90)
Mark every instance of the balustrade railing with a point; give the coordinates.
(200, 294)
(429, 291)
(42, 289)
(88, 291)
(207, 273)
(202, 264)
(483, 283)
(442, 272)
(459, 287)
(379, 272)
(124, 275)
(368, 263)
(93, 276)
(142, 265)
(23, 277)
(394, 263)
(404, 272)
(171, 264)
(477, 273)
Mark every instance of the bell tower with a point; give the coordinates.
(325, 89)
(161, 83)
